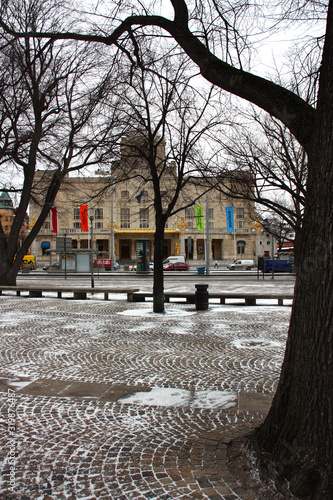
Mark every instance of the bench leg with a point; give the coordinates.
(250, 301)
(106, 296)
(59, 295)
(35, 293)
(80, 295)
(166, 299)
(222, 300)
(280, 302)
(18, 293)
(138, 298)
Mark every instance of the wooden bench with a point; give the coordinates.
(250, 299)
(79, 293)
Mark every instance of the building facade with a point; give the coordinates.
(124, 202)
(133, 219)
(7, 211)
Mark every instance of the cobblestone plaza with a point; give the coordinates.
(111, 401)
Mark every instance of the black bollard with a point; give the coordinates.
(201, 297)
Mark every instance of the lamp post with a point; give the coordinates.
(207, 234)
(272, 249)
(65, 249)
(92, 250)
(112, 233)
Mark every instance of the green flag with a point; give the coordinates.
(199, 217)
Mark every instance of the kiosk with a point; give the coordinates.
(142, 256)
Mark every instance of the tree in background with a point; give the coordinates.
(49, 98)
(168, 124)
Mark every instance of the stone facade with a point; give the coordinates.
(133, 211)
(6, 211)
(133, 218)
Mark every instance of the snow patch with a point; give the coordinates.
(169, 397)
(255, 343)
(150, 314)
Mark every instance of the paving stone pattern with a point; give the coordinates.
(71, 363)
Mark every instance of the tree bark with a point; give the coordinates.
(158, 291)
(298, 431)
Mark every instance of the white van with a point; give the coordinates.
(241, 264)
(173, 258)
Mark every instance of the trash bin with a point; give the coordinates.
(201, 297)
(201, 270)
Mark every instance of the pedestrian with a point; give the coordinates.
(216, 266)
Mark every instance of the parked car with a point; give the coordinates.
(176, 266)
(172, 259)
(241, 264)
(54, 267)
(106, 264)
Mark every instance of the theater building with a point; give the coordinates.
(133, 218)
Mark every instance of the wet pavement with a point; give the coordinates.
(107, 400)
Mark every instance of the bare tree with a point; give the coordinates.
(277, 165)
(50, 97)
(167, 123)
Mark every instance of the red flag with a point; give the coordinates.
(84, 217)
(54, 219)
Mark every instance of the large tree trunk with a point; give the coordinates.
(158, 293)
(298, 432)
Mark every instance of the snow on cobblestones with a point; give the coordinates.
(165, 442)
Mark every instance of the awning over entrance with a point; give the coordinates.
(148, 231)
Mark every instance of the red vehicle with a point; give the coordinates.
(105, 263)
(176, 266)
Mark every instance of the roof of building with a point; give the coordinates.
(5, 199)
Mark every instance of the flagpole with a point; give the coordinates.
(207, 235)
(234, 241)
(112, 234)
(92, 250)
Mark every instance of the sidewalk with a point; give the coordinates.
(114, 402)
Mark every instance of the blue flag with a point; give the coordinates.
(230, 219)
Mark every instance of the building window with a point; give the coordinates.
(211, 225)
(76, 214)
(211, 213)
(190, 225)
(241, 247)
(189, 213)
(144, 217)
(240, 213)
(77, 225)
(240, 224)
(99, 213)
(124, 195)
(125, 218)
(47, 225)
(98, 225)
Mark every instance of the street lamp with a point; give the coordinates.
(65, 249)
(92, 250)
(272, 249)
(112, 232)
